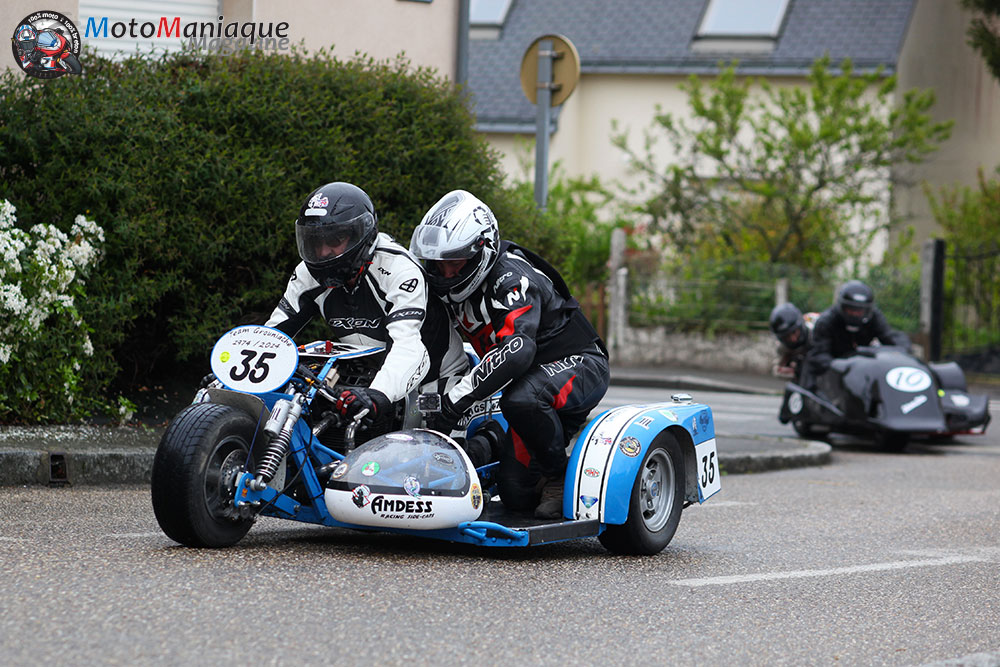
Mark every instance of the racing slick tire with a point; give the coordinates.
(892, 441)
(197, 464)
(807, 431)
(655, 504)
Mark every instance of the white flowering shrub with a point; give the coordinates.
(44, 343)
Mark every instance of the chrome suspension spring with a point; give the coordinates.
(272, 458)
(284, 416)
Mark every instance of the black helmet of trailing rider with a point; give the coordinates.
(336, 233)
(458, 227)
(788, 325)
(855, 303)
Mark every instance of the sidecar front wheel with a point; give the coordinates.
(195, 470)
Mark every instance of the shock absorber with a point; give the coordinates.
(280, 426)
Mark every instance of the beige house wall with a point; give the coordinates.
(426, 32)
(935, 56)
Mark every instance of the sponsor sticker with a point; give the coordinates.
(339, 471)
(592, 472)
(361, 496)
(959, 400)
(412, 486)
(371, 468)
(910, 406)
(644, 422)
(588, 501)
(477, 496)
(630, 446)
(441, 457)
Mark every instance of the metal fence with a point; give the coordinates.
(971, 308)
(686, 300)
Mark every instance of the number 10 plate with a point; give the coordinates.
(254, 359)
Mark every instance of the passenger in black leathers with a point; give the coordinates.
(852, 321)
(788, 325)
(532, 339)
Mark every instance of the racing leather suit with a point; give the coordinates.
(831, 340)
(536, 345)
(391, 308)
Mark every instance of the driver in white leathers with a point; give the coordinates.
(370, 291)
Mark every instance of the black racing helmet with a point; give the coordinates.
(336, 233)
(788, 325)
(855, 303)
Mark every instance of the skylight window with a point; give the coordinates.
(742, 18)
(488, 12)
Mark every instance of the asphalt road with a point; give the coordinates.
(874, 559)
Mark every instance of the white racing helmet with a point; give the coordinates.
(417, 479)
(458, 226)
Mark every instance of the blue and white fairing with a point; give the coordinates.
(416, 479)
(608, 454)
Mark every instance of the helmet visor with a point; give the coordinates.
(432, 242)
(320, 242)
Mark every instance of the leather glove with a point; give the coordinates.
(446, 420)
(352, 401)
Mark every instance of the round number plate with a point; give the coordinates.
(908, 379)
(254, 359)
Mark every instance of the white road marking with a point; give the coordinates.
(134, 535)
(724, 503)
(800, 574)
(974, 660)
(11, 539)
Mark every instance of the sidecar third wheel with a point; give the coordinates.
(195, 470)
(891, 441)
(804, 430)
(655, 504)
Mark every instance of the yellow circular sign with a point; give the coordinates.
(224, 356)
(565, 69)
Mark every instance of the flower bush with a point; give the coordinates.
(43, 339)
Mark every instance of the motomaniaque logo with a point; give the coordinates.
(219, 36)
(46, 45)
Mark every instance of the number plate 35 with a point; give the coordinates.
(709, 475)
(254, 359)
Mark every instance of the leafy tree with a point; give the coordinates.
(970, 225)
(777, 175)
(984, 32)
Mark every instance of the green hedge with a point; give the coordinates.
(196, 166)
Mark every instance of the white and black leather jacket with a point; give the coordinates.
(391, 307)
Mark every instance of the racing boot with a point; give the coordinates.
(484, 447)
(551, 503)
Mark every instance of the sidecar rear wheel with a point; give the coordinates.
(655, 505)
(195, 470)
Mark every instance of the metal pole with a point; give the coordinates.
(937, 300)
(462, 56)
(542, 119)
